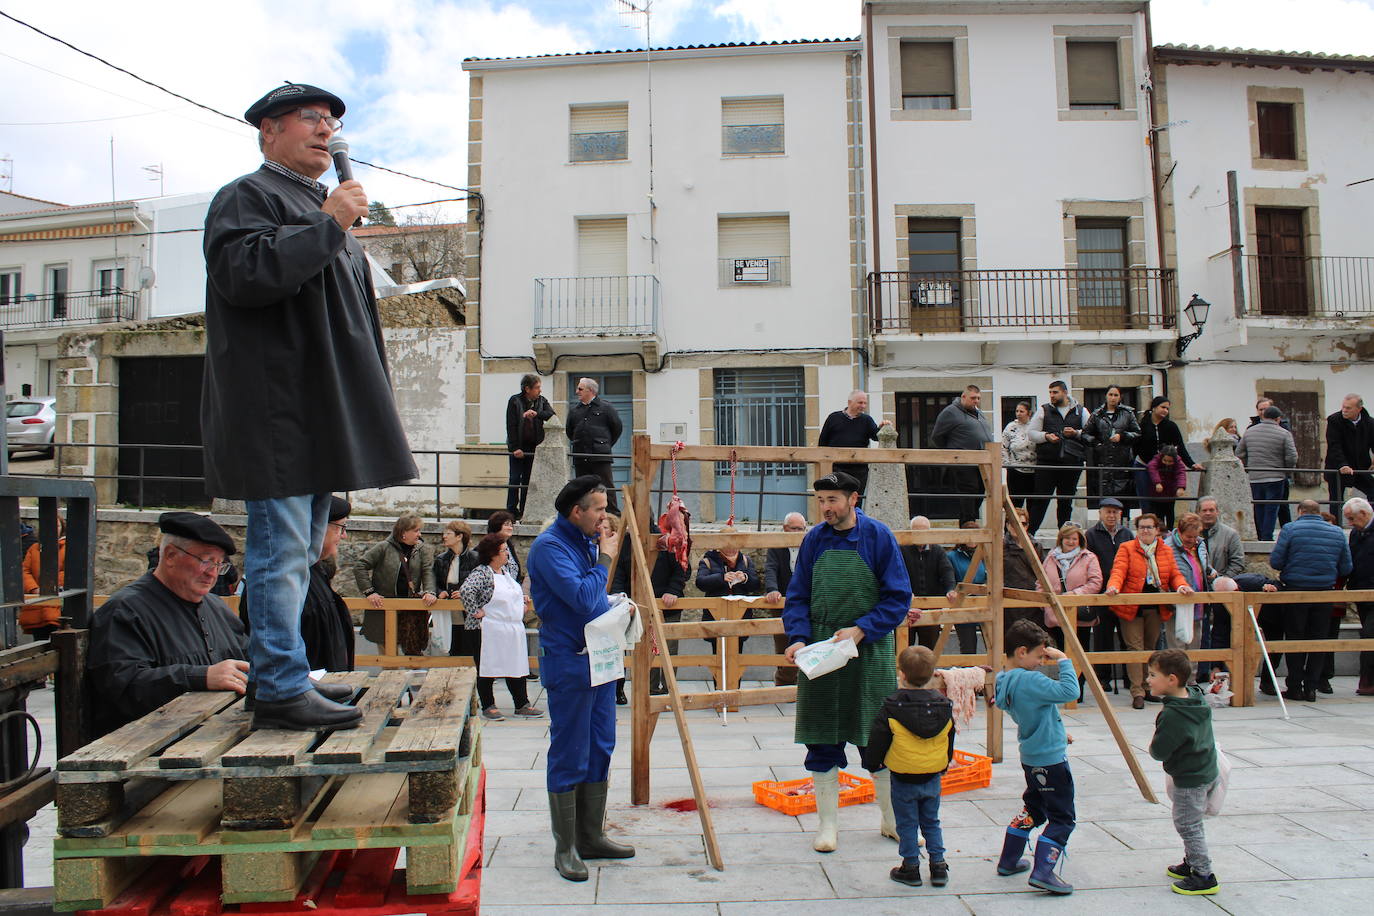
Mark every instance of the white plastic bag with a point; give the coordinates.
(1216, 795)
(826, 656)
(1183, 623)
(609, 637)
(1218, 689)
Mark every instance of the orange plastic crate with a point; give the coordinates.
(854, 790)
(974, 772)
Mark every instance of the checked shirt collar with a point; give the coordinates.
(295, 176)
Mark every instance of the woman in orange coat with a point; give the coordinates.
(40, 620)
(1145, 564)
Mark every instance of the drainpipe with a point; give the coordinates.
(1154, 149)
(872, 163)
(856, 136)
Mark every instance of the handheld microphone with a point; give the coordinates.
(338, 149)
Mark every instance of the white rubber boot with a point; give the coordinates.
(882, 786)
(827, 809)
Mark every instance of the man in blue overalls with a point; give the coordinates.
(569, 565)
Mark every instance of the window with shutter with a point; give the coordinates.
(754, 250)
(751, 126)
(927, 75)
(1094, 75)
(601, 247)
(11, 286)
(599, 133)
(1277, 130)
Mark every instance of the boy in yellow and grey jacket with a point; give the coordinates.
(913, 736)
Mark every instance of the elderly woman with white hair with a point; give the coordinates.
(1360, 517)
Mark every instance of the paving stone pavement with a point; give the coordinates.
(1298, 830)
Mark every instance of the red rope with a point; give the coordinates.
(672, 455)
(734, 466)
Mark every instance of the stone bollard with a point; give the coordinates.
(885, 498)
(549, 474)
(1226, 481)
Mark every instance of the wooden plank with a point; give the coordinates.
(433, 726)
(93, 883)
(207, 743)
(363, 804)
(353, 745)
(969, 457)
(126, 746)
(24, 802)
(720, 699)
(269, 747)
(751, 540)
(641, 569)
(434, 869)
(184, 815)
(1075, 651)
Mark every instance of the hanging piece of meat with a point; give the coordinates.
(675, 523)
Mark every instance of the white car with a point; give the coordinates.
(30, 424)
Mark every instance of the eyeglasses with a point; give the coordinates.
(343, 529)
(313, 118)
(219, 566)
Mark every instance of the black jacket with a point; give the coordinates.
(1104, 545)
(777, 570)
(467, 562)
(326, 625)
(924, 713)
(1361, 558)
(668, 576)
(593, 427)
(149, 647)
(1349, 444)
(297, 396)
(929, 570)
(526, 433)
(1152, 437)
(711, 576)
(1105, 425)
(1069, 449)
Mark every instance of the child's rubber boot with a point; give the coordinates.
(882, 786)
(1048, 855)
(1013, 844)
(827, 787)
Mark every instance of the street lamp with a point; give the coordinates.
(1196, 312)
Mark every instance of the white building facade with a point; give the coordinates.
(679, 226)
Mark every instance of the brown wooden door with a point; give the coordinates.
(1304, 415)
(1282, 262)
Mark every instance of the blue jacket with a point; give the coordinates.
(1310, 553)
(568, 585)
(960, 561)
(876, 546)
(1032, 700)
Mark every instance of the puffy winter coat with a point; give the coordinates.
(33, 616)
(1129, 572)
(1084, 578)
(1311, 553)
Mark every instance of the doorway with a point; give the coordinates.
(916, 413)
(159, 404)
(616, 389)
(1282, 257)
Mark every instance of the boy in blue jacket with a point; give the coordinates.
(1032, 701)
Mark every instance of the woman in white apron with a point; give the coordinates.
(493, 597)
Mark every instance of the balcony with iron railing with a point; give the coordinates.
(1297, 286)
(63, 310)
(1033, 299)
(595, 307)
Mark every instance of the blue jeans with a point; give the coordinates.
(1266, 515)
(917, 805)
(284, 538)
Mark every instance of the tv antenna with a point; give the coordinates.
(645, 8)
(7, 172)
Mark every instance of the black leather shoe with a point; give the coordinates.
(306, 712)
(332, 691)
(1325, 687)
(1309, 696)
(1295, 695)
(1268, 689)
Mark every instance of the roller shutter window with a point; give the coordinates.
(599, 133)
(751, 126)
(1094, 75)
(928, 75)
(754, 250)
(601, 247)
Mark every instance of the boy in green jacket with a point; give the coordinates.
(1183, 741)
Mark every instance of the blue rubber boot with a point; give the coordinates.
(1048, 854)
(1013, 844)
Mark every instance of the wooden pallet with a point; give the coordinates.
(191, 780)
(356, 883)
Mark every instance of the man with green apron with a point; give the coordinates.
(849, 583)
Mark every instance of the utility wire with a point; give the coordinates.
(215, 111)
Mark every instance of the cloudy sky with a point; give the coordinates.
(78, 131)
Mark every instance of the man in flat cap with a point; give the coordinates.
(297, 400)
(849, 582)
(165, 633)
(569, 565)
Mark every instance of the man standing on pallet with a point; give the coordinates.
(849, 583)
(297, 399)
(569, 565)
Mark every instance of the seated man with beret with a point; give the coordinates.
(165, 634)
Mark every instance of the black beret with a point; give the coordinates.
(837, 480)
(574, 491)
(291, 95)
(196, 527)
(339, 508)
